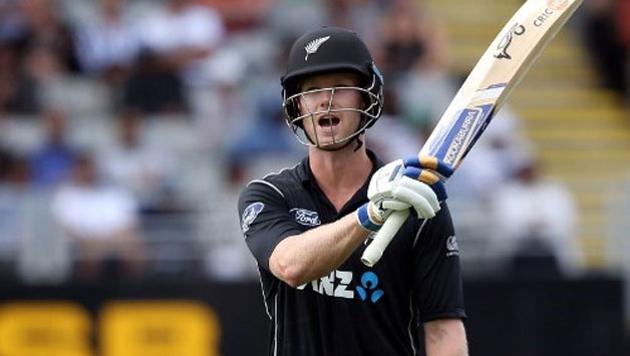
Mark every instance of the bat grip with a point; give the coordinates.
(384, 236)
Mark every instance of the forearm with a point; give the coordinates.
(305, 257)
(445, 337)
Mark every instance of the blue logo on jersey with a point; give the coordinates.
(369, 282)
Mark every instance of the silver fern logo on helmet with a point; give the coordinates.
(314, 45)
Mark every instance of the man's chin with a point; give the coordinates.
(331, 145)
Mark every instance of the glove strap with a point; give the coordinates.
(366, 218)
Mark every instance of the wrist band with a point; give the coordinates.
(363, 218)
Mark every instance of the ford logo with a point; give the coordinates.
(305, 217)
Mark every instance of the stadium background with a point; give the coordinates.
(127, 129)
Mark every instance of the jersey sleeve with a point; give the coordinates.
(437, 288)
(265, 220)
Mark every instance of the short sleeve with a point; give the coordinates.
(265, 220)
(438, 290)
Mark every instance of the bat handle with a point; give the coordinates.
(375, 249)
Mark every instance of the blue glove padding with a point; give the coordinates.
(424, 169)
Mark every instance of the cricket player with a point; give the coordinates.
(307, 226)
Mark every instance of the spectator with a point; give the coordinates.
(15, 198)
(13, 27)
(153, 87)
(414, 55)
(623, 19)
(30, 246)
(290, 18)
(493, 160)
(264, 144)
(410, 41)
(43, 64)
(108, 44)
(183, 36)
(146, 171)
(6, 161)
(100, 221)
(534, 222)
(227, 95)
(53, 162)
(602, 36)
(358, 15)
(13, 86)
(17, 90)
(391, 124)
(423, 111)
(241, 15)
(45, 28)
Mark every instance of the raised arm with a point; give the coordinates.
(302, 258)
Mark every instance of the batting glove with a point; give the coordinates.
(415, 182)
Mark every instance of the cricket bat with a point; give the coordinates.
(498, 71)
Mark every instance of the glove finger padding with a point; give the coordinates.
(391, 204)
(420, 189)
(420, 204)
(429, 178)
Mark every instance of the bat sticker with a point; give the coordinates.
(468, 126)
(461, 133)
(503, 46)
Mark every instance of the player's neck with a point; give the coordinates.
(340, 173)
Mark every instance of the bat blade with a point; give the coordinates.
(498, 71)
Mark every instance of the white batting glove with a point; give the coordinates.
(415, 182)
(391, 183)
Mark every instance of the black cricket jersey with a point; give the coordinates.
(355, 310)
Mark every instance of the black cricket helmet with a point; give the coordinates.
(329, 50)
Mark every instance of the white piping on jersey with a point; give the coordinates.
(275, 332)
(410, 327)
(280, 171)
(263, 181)
(415, 239)
(268, 184)
(275, 312)
(262, 290)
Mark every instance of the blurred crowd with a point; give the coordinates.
(606, 35)
(127, 129)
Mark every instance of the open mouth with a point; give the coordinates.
(328, 121)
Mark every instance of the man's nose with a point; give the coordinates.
(325, 98)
